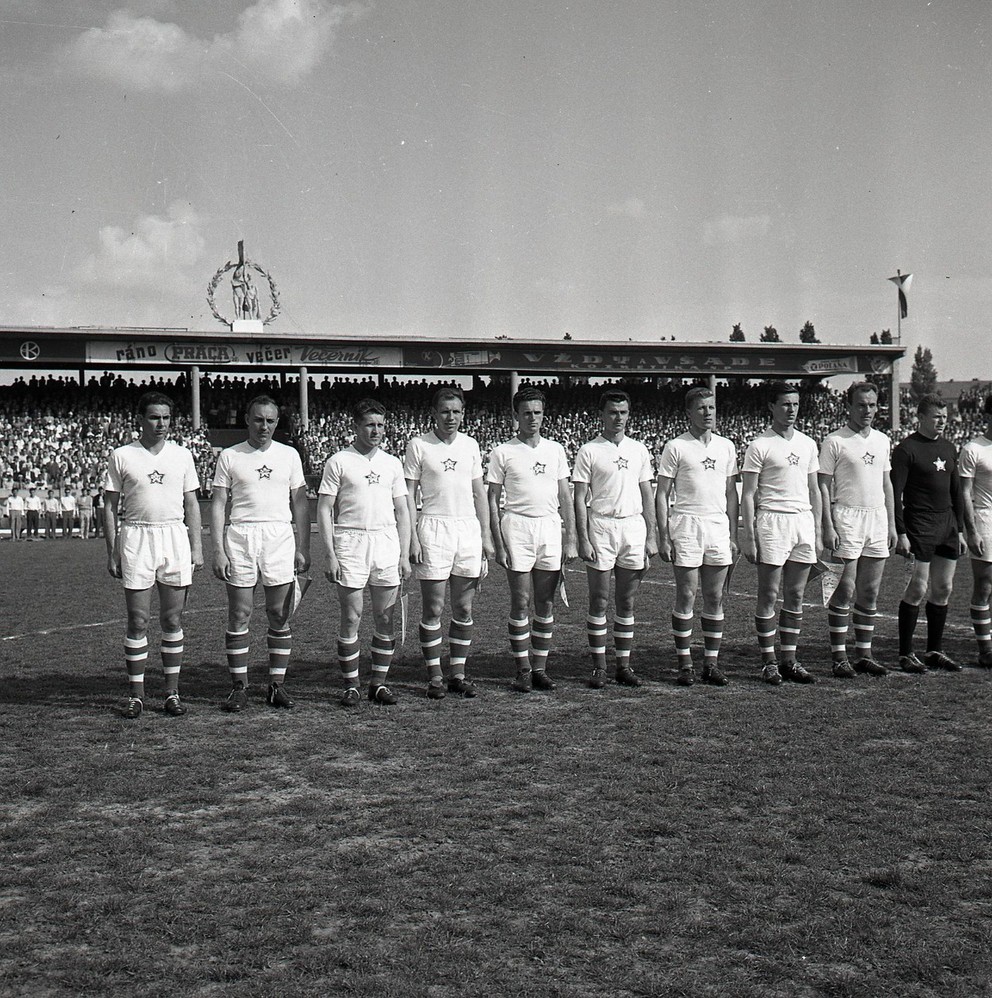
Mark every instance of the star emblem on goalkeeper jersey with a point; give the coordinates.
(709, 463)
(156, 477)
(264, 472)
(793, 460)
(622, 463)
(539, 467)
(940, 464)
(449, 463)
(372, 478)
(868, 459)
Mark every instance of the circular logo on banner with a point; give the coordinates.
(30, 350)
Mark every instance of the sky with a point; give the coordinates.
(629, 170)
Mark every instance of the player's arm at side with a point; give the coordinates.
(570, 549)
(826, 487)
(401, 509)
(194, 526)
(495, 491)
(325, 529)
(661, 500)
(748, 545)
(898, 477)
(733, 513)
(890, 511)
(584, 545)
(481, 502)
(111, 501)
(816, 502)
(300, 505)
(975, 543)
(650, 521)
(957, 505)
(218, 509)
(411, 504)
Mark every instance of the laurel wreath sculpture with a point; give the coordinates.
(273, 291)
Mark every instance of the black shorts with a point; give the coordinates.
(932, 534)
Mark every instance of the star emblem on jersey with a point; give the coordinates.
(869, 459)
(793, 459)
(940, 464)
(264, 472)
(449, 464)
(622, 463)
(372, 478)
(709, 463)
(156, 477)
(539, 467)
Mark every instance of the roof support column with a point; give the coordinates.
(194, 402)
(304, 400)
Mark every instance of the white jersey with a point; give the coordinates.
(614, 473)
(445, 472)
(783, 468)
(699, 472)
(152, 486)
(364, 486)
(529, 475)
(859, 464)
(976, 462)
(259, 481)
(68, 503)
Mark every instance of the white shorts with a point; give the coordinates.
(449, 546)
(783, 537)
(700, 540)
(983, 524)
(155, 552)
(531, 542)
(619, 542)
(264, 548)
(863, 532)
(367, 557)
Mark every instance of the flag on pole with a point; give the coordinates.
(902, 282)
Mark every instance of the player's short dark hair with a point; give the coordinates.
(860, 387)
(527, 394)
(698, 392)
(448, 393)
(261, 400)
(153, 398)
(930, 402)
(774, 390)
(363, 407)
(614, 395)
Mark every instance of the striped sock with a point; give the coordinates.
(864, 629)
(430, 646)
(459, 645)
(790, 623)
(981, 621)
(712, 639)
(171, 649)
(623, 639)
(765, 628)
(541, 630)
(136, 658)
(383, 646)
(596, 631)
(520, 642)
(279, 642)
(838, 620)
(682, 636)
(349, 656)
(236, 647)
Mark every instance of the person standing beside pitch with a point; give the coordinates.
(450, 538)
(532, 473)
(365, 528)
(859, 526)
(975, 469)
(780, 529)
(269, 535)
(152, 531)
(698, 536)
(929, 518)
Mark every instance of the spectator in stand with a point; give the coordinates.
(33, 506)
(15, 514)
(53, 513)
(84, 505)
(68, 514)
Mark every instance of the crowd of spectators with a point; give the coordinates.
(56, 434)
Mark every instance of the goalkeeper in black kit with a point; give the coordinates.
(929, 515)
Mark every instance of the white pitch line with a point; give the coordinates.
(68, 629)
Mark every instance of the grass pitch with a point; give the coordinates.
(802, 841)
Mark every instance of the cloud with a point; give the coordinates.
(729, 229)
(630, 208)
(280, 40)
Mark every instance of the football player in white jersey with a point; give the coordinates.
(449, 538)
(531, 474)
(975, 469)
(364, 525)
(152, 530)
(781, 529)
(699, 535)
(269, 535)
(617, 534)
(859, 526)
